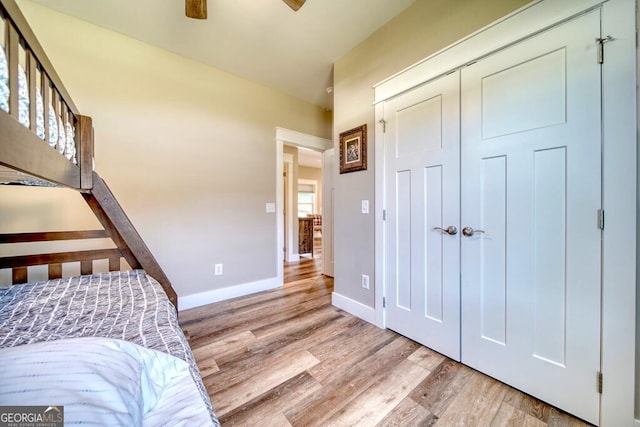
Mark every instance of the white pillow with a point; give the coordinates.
(97, 380)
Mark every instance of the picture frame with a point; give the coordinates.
(353, 149)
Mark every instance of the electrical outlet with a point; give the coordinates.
(218, 270)
(365, 281)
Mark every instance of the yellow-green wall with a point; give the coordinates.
(421, 30)
(188, 150)
(314, 174)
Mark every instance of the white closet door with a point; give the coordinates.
(422, 197)
(531, 180)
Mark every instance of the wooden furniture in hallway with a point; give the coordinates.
(288, 357)
(305, 236)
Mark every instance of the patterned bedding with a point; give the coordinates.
(125, 305)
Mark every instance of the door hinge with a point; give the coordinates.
(384, 214)
(601, 219)
(601, 41)
(599, 382)
(384, 125)
(384, 302)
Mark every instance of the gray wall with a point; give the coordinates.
(422, 29)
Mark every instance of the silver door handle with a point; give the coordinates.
(468, 231)
(450, 230)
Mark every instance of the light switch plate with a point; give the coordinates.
(365, 206)
(271, 207)
(365, 281)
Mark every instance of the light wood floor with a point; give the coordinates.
(307, 267)
(288, 357)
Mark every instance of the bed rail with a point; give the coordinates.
(129, 247)
(42, 133)
(19, 264)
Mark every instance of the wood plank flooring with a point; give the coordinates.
(307, 267)
(288, 357)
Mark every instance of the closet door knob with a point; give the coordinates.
(468, 231)
(450, 230)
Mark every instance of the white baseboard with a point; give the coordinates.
(196, 300)
(356, 308)
(293, 258)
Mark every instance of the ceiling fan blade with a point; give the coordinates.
(294, 4)
(196, 9)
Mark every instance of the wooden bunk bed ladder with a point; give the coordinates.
(121, 230)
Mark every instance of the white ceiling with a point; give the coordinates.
(261, 40)
(309, 158)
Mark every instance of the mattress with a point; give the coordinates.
(123, 305)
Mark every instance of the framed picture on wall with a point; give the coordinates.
(353, 149)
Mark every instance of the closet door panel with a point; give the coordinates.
(434, 280)
(509, 104)
(422, 181)
(405, 275)
(549, 252)
(493, 251)
(531, 188)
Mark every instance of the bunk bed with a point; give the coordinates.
(106, 346)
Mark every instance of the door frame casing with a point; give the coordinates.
(298, 139)
(287, 206)
(328, 210)
(620, 173)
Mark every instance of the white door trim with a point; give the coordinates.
(620, 198)
(520, 24)
(291, 254)
(298, 139)
(328, 211)
(379, 229)
(620, 172)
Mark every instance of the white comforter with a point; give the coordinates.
(102, 381)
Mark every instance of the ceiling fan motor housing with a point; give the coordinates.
(197, 9)
(294, 4)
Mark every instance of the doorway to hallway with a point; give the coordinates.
(305, 206)
(301, 263)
